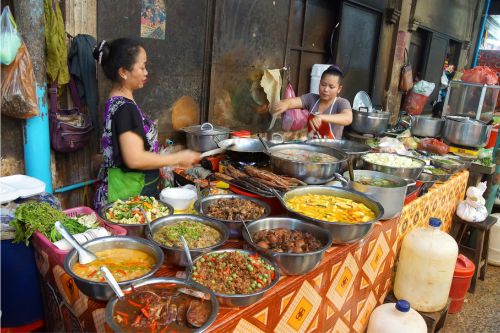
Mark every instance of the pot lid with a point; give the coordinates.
(206, 129)
(362, 99)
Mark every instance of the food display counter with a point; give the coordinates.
(338, 296)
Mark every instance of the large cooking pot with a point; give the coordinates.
(244, 150)
(203, 137)
(365, 122)
(426, 126)
(353, 149)
(391, 198)
(467, 132)
(309, 172)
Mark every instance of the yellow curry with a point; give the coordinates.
(330, 208)
(124, 264)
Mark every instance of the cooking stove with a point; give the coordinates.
(240, 164)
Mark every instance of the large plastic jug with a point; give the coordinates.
(396, 318)
(425, 269)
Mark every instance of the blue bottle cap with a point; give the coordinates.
(402, 305)
(435, 222)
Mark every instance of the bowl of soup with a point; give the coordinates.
(129, 259)
(313, 164)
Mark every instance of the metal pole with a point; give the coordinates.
(481, 33)
(30, 21)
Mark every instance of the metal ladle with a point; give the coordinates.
(266, 147)
(84, 255)
(147, 220)
(111, 281)
(248, 231)
(188, 256)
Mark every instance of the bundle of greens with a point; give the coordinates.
(40, 216)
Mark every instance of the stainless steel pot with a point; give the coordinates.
(370, 122)
(176, 255)
(391, 198)
(134, 230)
(308, 172)
(341, 232)
(467, 132)
(235, 227)
(203, 137)
(403, 172)
(101, 290)
(426, 126)
(238, 300)
(291, 263)
(244, 149)
(353, 149)
(163, 280)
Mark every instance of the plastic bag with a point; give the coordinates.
(19, 87)
(434, 146)
(480, 74)
(424, 88)
(473, 208)
(9, 37)
(295, 119)
(166, 172)
(391, 145)
(414, 103)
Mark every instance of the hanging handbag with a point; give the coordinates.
(69, 128)
(406, 76)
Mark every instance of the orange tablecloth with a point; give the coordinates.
(338, 296)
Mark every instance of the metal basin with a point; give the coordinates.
(240, 300)
(370, 122)
(341, 232)
(204, 137)
(101, 290)
(291, 263)
(427, 176)
(391, 198)
(235, 227)
(134, 230)
(353, 149)
(308, 172)
(466, 132)
(426, 126)
(177, 256)
(163, 280)
(403, 172)
(244, 150)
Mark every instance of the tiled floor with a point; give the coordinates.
(481, 310)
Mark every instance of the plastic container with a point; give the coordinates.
(425, 269)
(494, 247)
(177, 197)
(396, 318)
(57, 255)
(316, 72)
(464, 270)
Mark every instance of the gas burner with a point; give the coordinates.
(240, 164)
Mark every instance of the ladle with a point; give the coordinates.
(148, 221)
(248, 231)
(111, 281)
(84, 255)
(266, 147)
(188, 256)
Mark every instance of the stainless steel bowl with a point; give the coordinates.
(370, 122)
(163, 280)
(341, 232)
(466, 132)
(391, 198)
(204, 137)
(353, 149)
(235, 227)
(448, 164)
(240, 300)
(428, 176)
(101, 290)
(135, 230)
(291, 263)
(426, 126)
(177, 256)
(308, 172)
(406, 173)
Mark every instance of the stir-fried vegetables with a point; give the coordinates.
(196, 234)
(129, 211)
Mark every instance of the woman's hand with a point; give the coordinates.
(279, 107)
(187, 158)
(315, 122)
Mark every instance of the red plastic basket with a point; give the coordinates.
(56, 255)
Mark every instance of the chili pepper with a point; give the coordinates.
(121, 271)
(261, 282)
(153, 326)
(92, 274)
(137, 320)
(123, 314)
(134, 303)
(272, 275)
(147, 205)
(145, 313)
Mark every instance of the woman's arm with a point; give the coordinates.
(135, 157)
(343, 118)
(286, 104)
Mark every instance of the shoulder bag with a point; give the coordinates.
(406, 76)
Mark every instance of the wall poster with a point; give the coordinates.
(153, 19)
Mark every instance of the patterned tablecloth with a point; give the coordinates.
(338, 296)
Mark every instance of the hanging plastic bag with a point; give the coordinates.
(295, 119)
(19, 87)
(9, 37)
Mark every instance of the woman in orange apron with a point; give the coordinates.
(328, 113)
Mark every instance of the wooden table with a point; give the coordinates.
(338, 296)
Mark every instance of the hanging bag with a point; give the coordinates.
(406, 76)
(11, 40)
(294, 119)
(69, 128)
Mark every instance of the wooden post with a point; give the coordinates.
(30, 21)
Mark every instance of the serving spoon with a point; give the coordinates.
(188, 256)
(84, 255)
(147, 220)
(110, 279)
(248, 231)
